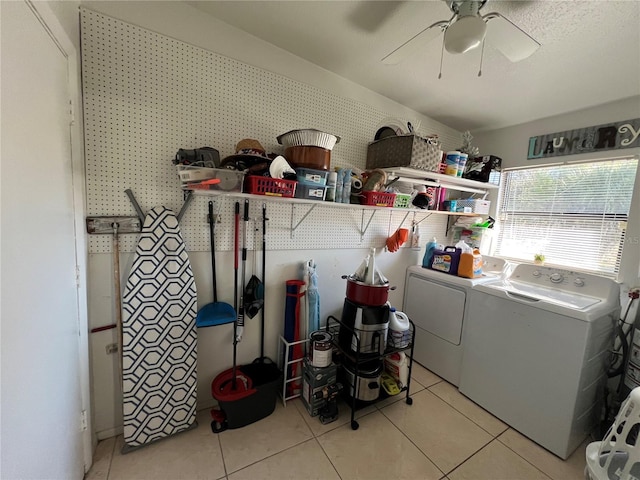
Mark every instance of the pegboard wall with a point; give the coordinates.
(146, 96)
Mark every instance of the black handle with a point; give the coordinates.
(213, 253)
(246, 210)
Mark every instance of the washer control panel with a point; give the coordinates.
(548, 277)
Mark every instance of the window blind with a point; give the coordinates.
(575, 215)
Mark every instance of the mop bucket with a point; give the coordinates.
(617, 456)
(253, 399)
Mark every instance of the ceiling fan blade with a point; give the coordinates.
(416, 42)
(513, 42)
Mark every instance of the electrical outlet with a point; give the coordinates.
(111, 348)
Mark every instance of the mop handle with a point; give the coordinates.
(213, 253)
(264, 278)
(244, 238)
(236, 235)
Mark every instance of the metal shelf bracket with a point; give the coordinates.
(294, 227)
(363, 227)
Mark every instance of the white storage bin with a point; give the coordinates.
(477, 206)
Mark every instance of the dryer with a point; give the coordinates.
(437, 303)
(537, 349)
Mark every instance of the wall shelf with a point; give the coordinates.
(434, 179)
(318, 203)
(368, 211)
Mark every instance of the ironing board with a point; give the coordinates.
(158, 335)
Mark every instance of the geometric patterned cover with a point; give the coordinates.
(159, 335)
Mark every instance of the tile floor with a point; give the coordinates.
(442, 435)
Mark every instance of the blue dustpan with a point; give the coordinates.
(215, 313)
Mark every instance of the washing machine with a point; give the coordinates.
(437, 303)
(537, 350)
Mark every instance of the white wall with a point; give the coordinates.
(511, 144)
(330, 236)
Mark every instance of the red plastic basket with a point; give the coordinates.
(378, 199)
(270, 186)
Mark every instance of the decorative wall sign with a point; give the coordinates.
(610, 136)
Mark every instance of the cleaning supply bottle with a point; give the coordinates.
(397, 365)
(399, 329)
(428, 252)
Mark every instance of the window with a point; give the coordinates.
(575, 215)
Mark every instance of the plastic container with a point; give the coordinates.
(311, 191)
(276, 187)
(230, 180)
(446, 260)
(450, 205)
(462, 161)
(399, 329)
(617, 456)
(397, 365)
(403, 200)
(452, 163)
(330, 196)
(379, 199)
(476, 205)
(245, 405)
(470, 265)
(310, 176)
(428, 252)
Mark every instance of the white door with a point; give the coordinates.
(41, 386)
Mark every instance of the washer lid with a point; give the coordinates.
(536, 294)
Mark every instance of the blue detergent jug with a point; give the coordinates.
(428, 252)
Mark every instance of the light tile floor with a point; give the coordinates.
(443, 435)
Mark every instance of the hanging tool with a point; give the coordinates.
(115, 226)
(216, 313)
(264, 277)
(254, 291)
(239, 321)
(241, 311)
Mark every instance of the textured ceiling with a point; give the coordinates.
(590, 54)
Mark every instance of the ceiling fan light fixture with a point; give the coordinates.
(465, 34)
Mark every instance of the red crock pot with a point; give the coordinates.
(364, 294)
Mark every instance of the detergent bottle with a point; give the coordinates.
(428, 252)
(399, 329)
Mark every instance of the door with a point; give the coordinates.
(42, 429)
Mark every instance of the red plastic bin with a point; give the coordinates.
(270, 186)
(378, 199)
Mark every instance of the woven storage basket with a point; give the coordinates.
(413, 151)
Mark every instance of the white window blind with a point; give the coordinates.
(575, 215)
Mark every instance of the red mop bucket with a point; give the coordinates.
(253, 399)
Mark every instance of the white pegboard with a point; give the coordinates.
(146, 95)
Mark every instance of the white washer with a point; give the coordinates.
(536, 352)
(437, 303)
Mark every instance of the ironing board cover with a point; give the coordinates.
(159, 335)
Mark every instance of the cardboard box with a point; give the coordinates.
(314, 379)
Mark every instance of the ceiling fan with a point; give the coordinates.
(466, 30)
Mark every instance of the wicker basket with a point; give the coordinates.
(422, 153)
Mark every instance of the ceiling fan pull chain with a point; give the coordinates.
(441, 57)
(481, 57)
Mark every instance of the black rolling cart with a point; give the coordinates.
(353, 364)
